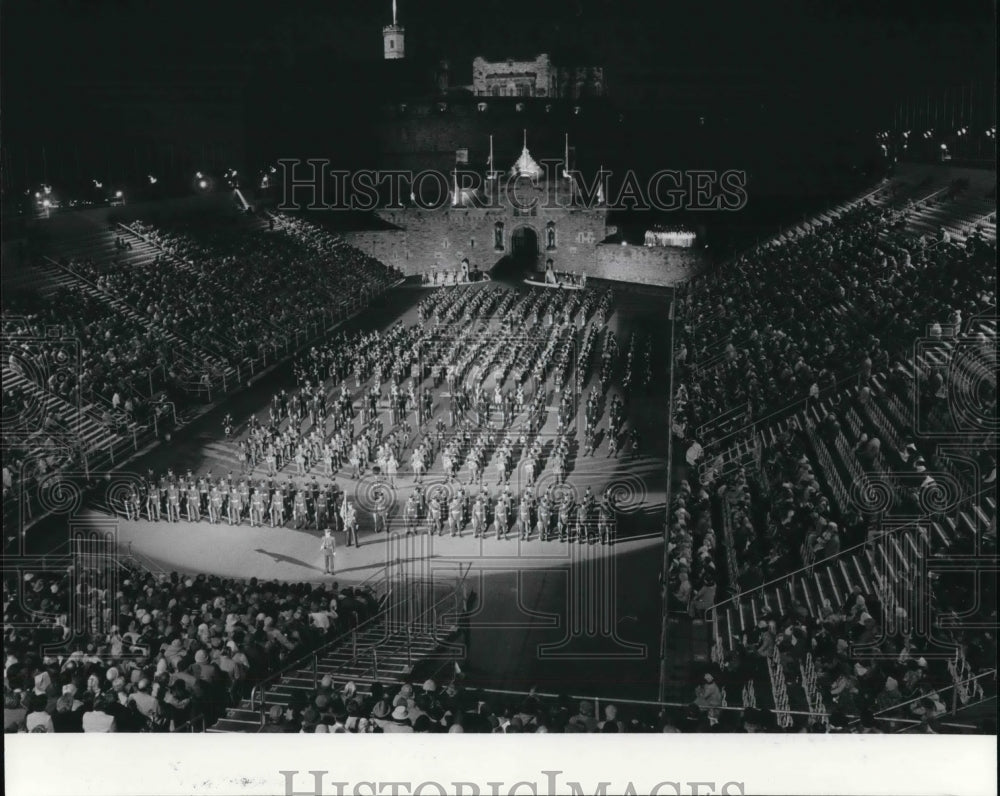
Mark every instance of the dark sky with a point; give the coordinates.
(61, 59)
(57, 41)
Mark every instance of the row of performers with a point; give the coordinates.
(553, 514)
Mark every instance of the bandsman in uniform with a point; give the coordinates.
(436, 524)
(582, 529)
(479, 517)
(278, 507)
(257, 507)
(132, 503)
(564, 517)
(299, 513)
(322, 509)
(234, 506)
(152, 501)
(455, 516)
(410, 514)
(204, 487)
(524, 517)
(350, 517)
(173, 503)
(544, 518)
(244, 498)
(500, 518)
(215, 505)
(604, 523)
(193, 500)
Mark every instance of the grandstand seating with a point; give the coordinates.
(144, 349)
(911, 401)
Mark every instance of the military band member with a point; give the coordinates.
(604, 522)
(563, 520)
(436, 523)
(152, 502)
(582, 529)
(173, 503)
(350, 517)
(132, 503)
(500, 517)
(244, 498)
(544, 519)
(322, 509)
(163, 490)
(204, 487)
(479, 517)
(234, 507)
(193, 502)
(299, 514)
(410, 512)
(215, 505)
(257, 507)
(455, 516)
(379, 509)
(278, 508)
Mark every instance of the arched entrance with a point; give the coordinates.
(524, 245)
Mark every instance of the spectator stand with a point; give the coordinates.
(415, 627)
(866, 405)
(109, 426)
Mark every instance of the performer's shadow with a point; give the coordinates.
(278, 557)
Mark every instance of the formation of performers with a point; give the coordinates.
(554, 514)
(505, 359)
(235, 500)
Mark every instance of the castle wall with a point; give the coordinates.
(430, 240)
(646, 265)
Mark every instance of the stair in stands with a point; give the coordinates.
(93, 433)
(345, 663)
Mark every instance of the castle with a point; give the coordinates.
(528, 214)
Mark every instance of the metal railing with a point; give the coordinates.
(659, 705)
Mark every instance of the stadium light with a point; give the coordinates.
(152, 180)
(202, 184)
(118, 194)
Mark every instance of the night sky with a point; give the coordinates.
(99, 76)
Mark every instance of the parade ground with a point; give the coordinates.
(561, 611)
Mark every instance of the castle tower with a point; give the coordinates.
(392, 36)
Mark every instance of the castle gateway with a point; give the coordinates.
(523, 217)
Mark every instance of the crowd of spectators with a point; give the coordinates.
(70, 344)
(216, 294)
(832, 313)
(794, 318)
(865, 659)
(163, 653)
(240, 293)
